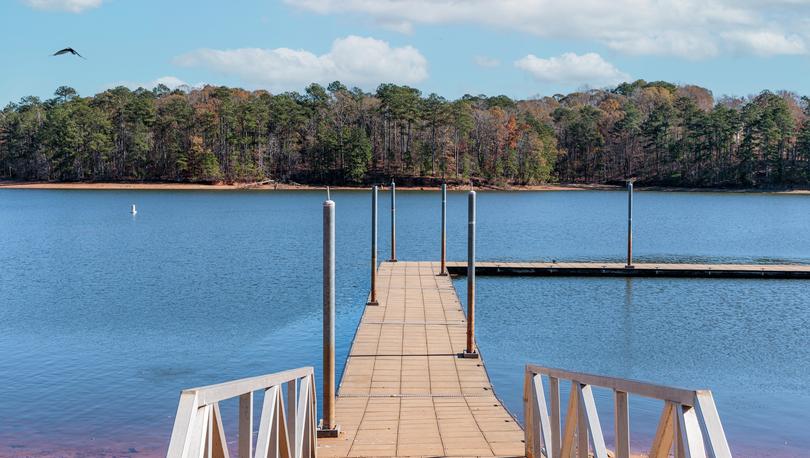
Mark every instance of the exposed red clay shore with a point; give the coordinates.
(274, 186)
(289, 186)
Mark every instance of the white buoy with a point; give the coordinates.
(133, 211)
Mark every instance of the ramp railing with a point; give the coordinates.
(689, 425)
(286, 429)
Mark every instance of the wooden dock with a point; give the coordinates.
(405, 391)
(615, 269)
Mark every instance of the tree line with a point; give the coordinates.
(657, 133)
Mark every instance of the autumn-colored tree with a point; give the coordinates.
(656, 132)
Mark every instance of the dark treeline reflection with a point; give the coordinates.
(657, 132)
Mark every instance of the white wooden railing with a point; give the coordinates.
(284, 431)
(689, 425)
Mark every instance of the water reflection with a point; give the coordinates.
(626, 329)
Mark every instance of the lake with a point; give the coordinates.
(106, 316)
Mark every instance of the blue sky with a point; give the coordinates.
(521, 48)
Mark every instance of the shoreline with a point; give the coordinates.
(303, 187)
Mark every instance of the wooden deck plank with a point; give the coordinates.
(404, 391)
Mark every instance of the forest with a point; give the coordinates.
(657, 133)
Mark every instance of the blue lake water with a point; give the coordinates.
(105, 317)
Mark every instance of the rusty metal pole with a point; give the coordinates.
(393, 222)
(470, 351)
(443, 268)
(328, 428)
(629, 225)
(373, 299)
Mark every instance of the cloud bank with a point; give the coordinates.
(71, 6)
(360, 61)
(572, 69)
(486, 62)
(692, 29)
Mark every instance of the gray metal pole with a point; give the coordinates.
(373, 298)
(470, 351)
(629, 224)
(443, 269)
(328, 315)
(393, 222)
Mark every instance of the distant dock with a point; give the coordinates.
(616, 269)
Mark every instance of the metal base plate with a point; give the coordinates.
(372, 303)
(465, 354)
(334, 432)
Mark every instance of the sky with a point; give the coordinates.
(521, 48)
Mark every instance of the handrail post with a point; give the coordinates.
(470, 351)
(373, 299)
(327, 427)
(621, 424)
(629, 225)
(528, 432)
(393, 222)
(554, 395)
(714, 433)
(443, 268)
(292, 412)
(245, 438)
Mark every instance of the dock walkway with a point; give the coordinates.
(404, 390)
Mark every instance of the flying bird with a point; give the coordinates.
(66, 51)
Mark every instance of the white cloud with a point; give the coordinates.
(72, 6)
(697, 46)
(767, 43)
(486, 62)
(403, 27)
(172, 82)
(572, 69)
(687, 28)
(353, 60)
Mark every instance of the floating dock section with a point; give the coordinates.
(607, 269)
